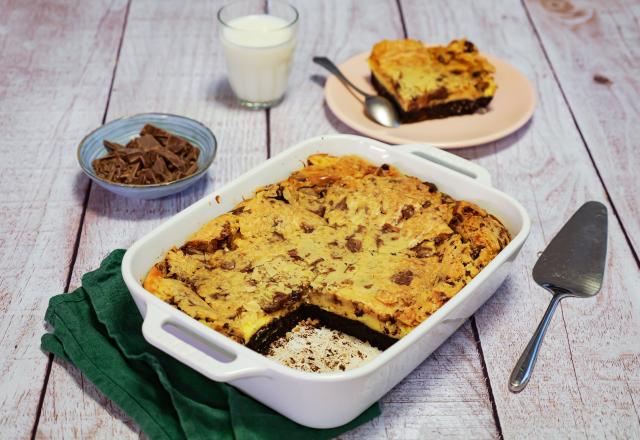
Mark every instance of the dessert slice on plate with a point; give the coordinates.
(430, 82)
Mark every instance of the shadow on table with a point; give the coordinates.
(495, 147)
(336, 123)
(220, 91)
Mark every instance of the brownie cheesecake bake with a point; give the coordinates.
(360, 248)
(428, 82)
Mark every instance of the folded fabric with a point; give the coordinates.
(97, 328)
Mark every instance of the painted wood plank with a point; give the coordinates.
(56, 63)
(586, 380)
(170, 62)
(593, 47)
(447, 394)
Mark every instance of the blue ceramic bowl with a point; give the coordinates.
(124, 129)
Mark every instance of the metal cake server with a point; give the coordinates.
(572, 265)
(377, 108)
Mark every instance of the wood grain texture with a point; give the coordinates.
(56, 60)
(445, 397)
(593, 48)
(447, 394)
(586, 380)
(170, 62)
(337, 30)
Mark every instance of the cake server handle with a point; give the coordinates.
(235, 367)
(447, 160)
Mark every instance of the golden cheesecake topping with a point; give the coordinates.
(363, 242)
(418, 76)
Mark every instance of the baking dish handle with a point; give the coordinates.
(154, 331)
(448, 160)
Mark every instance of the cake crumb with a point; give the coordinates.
(312, 347)
(601, 79)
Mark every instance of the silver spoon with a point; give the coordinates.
(571, 266)
(379, 109)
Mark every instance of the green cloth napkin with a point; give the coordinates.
(97, 328)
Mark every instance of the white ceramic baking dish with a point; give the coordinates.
(328, 399)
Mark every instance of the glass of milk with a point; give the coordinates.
(258, 38)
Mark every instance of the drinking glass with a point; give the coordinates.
(258, 39)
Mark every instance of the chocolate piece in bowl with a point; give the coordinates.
(155, 157)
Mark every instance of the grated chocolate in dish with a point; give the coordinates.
(309, 346)
(156, 156)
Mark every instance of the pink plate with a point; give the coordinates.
(510, 109)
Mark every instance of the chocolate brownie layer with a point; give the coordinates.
(439, 111)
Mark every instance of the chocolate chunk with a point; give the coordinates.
(440, 93)
(156, 132)
(307, 228)
(293, 253)
(354, 245)
(160, 169)
(279, 195)
(469, 47)
(403, 278)
(432, 187)
(601, 79)
(112, 145)
(147, 159)
(247, 269)
(455, 220)
(341, 205)
(475, 251)
(224, 240)
(408, 211)
(147, 142)
(388, 227)
(171, 158)
(281, 301)
(441, 238)
(446, 199)
(320, 211)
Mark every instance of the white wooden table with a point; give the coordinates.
(68, 66)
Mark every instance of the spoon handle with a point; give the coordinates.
(524, 367)
(331, 67)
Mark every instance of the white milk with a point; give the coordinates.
(258, 50)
